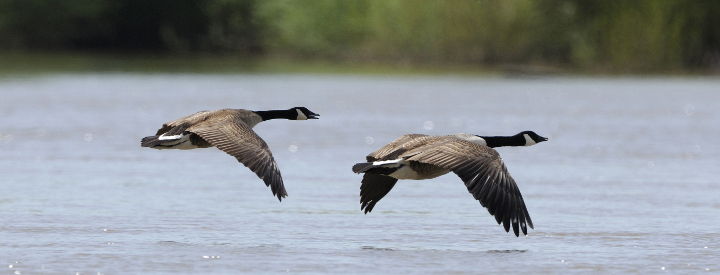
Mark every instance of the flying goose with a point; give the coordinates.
(230, 130)
(471, 157)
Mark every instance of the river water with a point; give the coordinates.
(627, 183)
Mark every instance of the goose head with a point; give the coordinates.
(531, 138)
(303, 114)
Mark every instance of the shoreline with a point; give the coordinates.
(33, 63)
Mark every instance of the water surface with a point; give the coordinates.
(627, 183)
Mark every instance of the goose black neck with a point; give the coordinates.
(276, 114)
(501, 141)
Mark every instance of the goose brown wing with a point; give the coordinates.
(177, 126)
(232, 136)
(374, 187)
(398, 146)
(484, 175)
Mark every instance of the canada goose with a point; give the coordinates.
(471, 157)
(230, 130)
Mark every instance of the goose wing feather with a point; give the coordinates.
(230, 134)
(179, 125)
(374, 187)
(485, 176)
(398, 146)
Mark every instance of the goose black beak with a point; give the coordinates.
(543, 139)
(313, 116)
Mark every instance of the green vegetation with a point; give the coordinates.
(44, 63)
(589, 35)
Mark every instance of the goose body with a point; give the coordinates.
(472, 158)
(230, 130)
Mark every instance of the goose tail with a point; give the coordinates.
(362, 167)
(150, 141)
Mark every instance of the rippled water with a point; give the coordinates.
(627, 183)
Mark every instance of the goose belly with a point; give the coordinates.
(418, 171)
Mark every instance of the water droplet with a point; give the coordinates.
(428, 125)
(705, 247)
(562, 261)
(88, 137)
(662, 268)
(105, 229)
(369, 140)
(206, 257)
(10, 266)
(707, 269)
(293, 148)
(689, 109)
(17, 272)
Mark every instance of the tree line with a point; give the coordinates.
(619, 35)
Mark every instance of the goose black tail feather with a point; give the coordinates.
(362, 167)
(150, 141)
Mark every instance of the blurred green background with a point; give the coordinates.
(638, 36)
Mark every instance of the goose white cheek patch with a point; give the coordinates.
(301, 116)
(529, 141)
